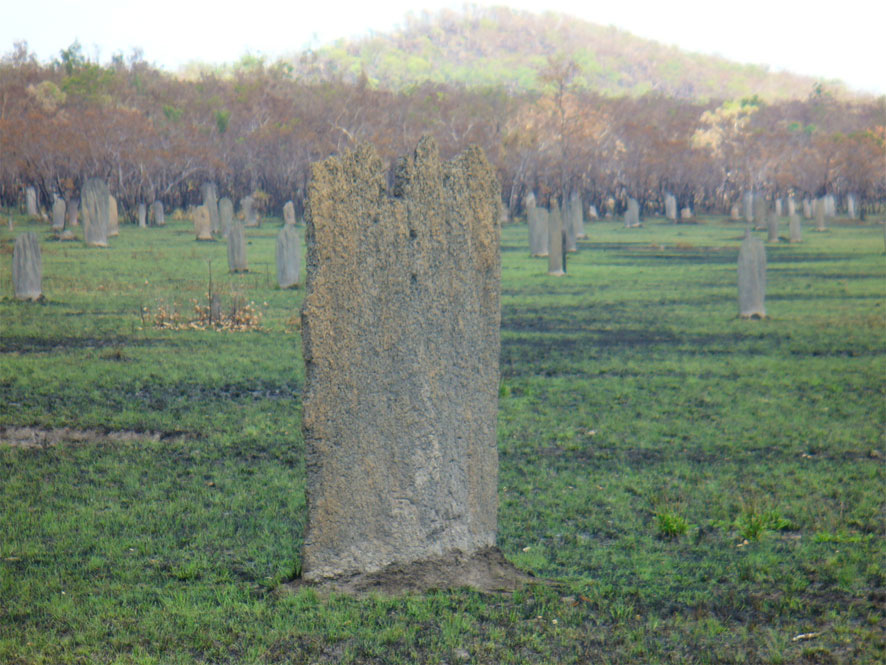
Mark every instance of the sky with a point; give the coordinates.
(834, 40)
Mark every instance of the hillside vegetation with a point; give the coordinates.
(503, 47)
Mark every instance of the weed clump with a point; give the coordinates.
(671, 525)
(752, 524)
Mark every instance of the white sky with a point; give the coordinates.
(842, 40)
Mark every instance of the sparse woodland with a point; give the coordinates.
(255, 127)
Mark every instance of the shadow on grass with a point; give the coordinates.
(253, 390)
(557, 347)
(30, 344)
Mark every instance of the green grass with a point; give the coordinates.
(698, 488)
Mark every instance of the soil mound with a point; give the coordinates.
(486, 570)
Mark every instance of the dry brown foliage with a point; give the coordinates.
(241, 316)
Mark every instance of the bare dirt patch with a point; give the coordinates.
(486, 570)
(39, 437)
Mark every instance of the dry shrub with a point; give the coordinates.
(241, 316)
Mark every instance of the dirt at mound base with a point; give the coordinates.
(486, 570)
(40, 437)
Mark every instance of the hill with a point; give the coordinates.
(504, 47)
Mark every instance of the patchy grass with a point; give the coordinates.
(698, 488)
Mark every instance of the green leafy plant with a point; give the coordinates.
(752, 524)
(222, 118)
(671, 524)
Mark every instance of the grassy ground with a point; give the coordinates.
(699, 489)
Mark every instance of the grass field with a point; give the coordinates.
(694, 488)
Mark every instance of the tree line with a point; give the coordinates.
(256, 128)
